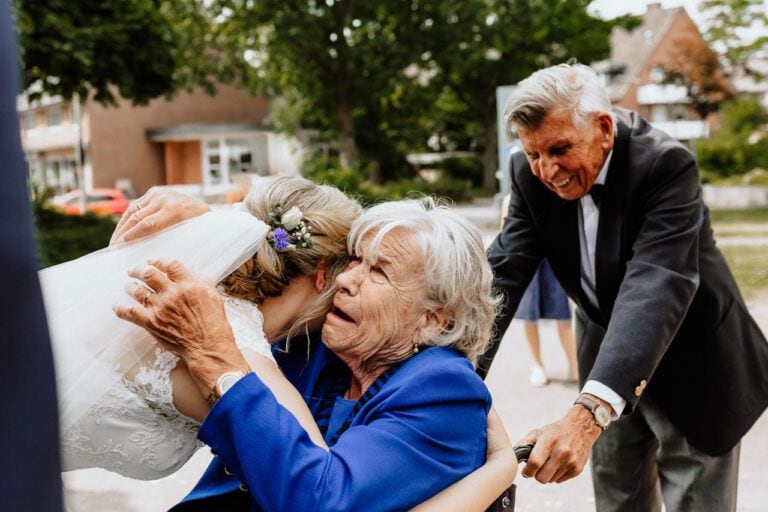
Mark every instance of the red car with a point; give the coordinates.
(105, 201)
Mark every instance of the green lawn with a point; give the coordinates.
(749, 265)
(750, 215)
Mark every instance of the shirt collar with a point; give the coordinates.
(600, 180)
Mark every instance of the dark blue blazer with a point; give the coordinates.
(29, 428)
(422, 431)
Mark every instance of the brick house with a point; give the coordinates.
(634, 72)
(204, 142)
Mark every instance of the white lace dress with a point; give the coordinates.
(134, 429)
(115, 393)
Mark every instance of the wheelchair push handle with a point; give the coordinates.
(522, 452)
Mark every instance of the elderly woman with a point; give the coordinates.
(391, 385)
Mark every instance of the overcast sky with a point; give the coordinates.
(613, 8)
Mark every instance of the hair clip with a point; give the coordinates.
(289, 231)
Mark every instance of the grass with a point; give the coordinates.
(749, 215)
(749, 265)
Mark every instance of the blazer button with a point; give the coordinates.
(505, 502)
(243, 488)
(227, 471)
(639, 389)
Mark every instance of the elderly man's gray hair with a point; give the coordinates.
(457, 276)
(575, 87)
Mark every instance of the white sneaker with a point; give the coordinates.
(538, 378)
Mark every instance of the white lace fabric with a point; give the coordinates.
(115, 392)
(134, 429)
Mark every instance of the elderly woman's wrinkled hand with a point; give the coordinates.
(186, 315)
(154, 211)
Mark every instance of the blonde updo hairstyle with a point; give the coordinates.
(327, 212)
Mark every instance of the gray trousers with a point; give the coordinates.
(642, 459)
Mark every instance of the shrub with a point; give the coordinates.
(63, 237)
(352, 182)
(463, 168)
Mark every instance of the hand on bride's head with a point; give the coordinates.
(185, 313)
(155, 211)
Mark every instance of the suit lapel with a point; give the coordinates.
(608, 245)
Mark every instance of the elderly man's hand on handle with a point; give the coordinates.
(154, 211)
(562, 448)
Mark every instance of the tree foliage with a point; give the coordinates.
(728, 22)
(697, 67)
(379, 76)
(141, 48)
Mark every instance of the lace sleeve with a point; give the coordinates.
(247, 325)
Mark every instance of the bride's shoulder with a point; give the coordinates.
(247, 324)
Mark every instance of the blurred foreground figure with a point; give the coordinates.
(29, 435)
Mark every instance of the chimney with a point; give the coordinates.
(653, 7)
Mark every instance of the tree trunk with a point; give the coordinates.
(490, 160)
(347, 146)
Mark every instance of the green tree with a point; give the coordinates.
(727, 21)
(337, 65)
(140, 48)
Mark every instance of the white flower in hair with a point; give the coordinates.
(291, 218)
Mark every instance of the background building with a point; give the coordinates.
(206, 142)
(635, 73)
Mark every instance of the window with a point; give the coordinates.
(659, 114)
(29, 121)
(53, 116)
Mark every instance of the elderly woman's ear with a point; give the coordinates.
(435, 321)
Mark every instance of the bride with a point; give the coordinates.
(129, 406)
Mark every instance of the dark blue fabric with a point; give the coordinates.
(544, 299)
(423, 430)
(29, 434)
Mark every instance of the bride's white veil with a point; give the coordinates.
(93, 348)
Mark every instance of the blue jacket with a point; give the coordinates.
(422, 431)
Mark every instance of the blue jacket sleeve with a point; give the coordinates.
(423, 431)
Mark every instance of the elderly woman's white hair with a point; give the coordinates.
(457, 276)
(572, 86)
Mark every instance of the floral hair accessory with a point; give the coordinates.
(289, 231)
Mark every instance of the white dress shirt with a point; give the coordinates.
(589, 219)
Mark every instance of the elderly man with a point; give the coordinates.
(673, 368)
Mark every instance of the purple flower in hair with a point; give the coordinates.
(281, 239)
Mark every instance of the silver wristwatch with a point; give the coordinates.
(602, 415)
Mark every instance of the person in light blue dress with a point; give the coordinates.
(545, 299)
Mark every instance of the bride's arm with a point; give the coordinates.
(154, 211)
(478, 490)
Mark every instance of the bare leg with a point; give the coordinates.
(538, 376)
(534, 345)
(568, 341)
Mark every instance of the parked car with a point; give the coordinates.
(104, 201)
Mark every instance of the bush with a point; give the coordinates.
(729, 156)
(463, 168)
(352, 182)
(63, 237)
